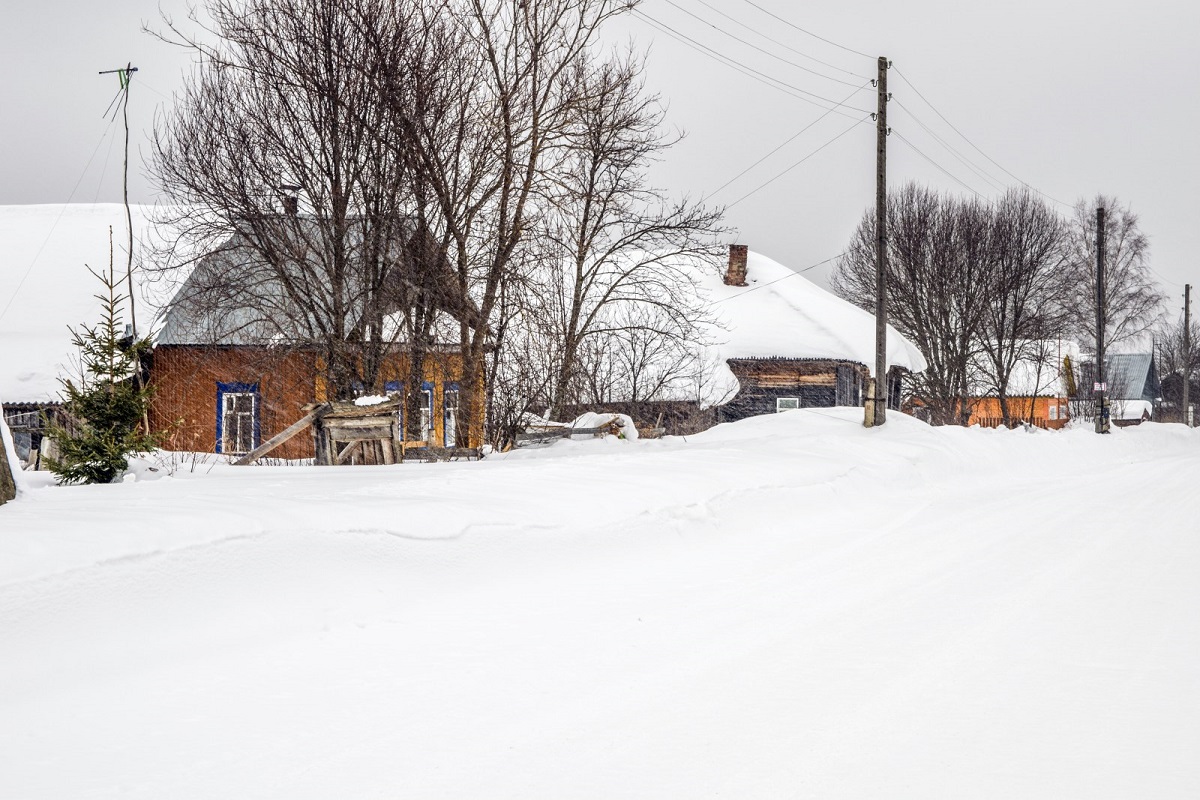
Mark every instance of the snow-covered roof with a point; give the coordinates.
(44, 254)
(783, 314)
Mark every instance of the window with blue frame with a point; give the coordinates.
(238, 423)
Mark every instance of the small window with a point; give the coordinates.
(427, 410)
(786, 403)
(450, 409)
(1053, 411)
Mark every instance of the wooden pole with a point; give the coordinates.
(1100, 388)
(1187, 353)
(876, 407)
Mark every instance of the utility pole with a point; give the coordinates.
(125, 75)
(1187, 352)
(876, 406)
(1100, 387)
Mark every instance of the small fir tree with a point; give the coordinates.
(104, 412)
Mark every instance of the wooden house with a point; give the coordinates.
(787, 343)
(225, 383)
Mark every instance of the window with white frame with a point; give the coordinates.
(786, 404)
(238, 417)
(427, 410)
(450, 407)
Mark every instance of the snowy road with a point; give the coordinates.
(786, 607)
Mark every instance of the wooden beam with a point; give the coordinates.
(278, 439)
(345, 452)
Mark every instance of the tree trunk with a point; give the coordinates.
(8, 486)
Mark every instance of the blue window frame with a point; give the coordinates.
(239, 408)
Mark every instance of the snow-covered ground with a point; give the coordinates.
(789, 606)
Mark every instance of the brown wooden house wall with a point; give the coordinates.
(185, 378)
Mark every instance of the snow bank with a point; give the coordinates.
(787, 605)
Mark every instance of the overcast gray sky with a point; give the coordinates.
(1071, 97)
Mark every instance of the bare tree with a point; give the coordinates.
(1132, 301)
(939, 274)
(1175, 361)
(274, 114)
(1023, 309)
(486, 148)
(620, 259)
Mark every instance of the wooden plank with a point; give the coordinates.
(345, 434)
(345, 452)
(559, 433)
(278, 439)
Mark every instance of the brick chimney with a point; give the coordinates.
(291, 199)
(735, 275)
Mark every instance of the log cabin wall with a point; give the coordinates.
(815, 383)
(188, 381)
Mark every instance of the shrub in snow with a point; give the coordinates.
(104, 411)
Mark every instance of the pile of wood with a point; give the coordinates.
(345, 433)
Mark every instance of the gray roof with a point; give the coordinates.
(1132, 376)
(243, 294)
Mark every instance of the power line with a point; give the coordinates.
(762, 77)
(808, 32)
(777, 280)
(788, 141)
(947, 172)
(784, 45)
(973, 145)
(764, 52)
(762, 186)
(979, 171)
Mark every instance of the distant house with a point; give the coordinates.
(223, 382)
(787, 343)
(1038, 389)
(1133, 388)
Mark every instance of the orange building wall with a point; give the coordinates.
(985, 411)
(185, 377)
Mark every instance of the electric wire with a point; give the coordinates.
(57, 219)
(792, 274)
(104, 168)
(784, 45)
(764, 52)
(977, 149)
(808, 32)
(762, 77)
(945, 171)
(784, 144)
(979, 171)
(779, 175)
